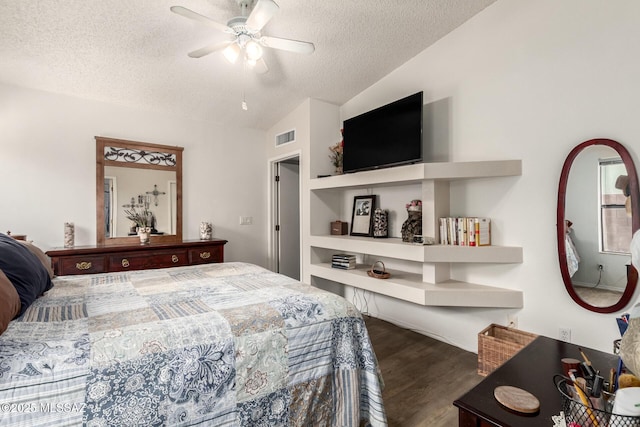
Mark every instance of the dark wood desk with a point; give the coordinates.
(531, 369)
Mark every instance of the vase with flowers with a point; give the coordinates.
(336, 156)
(143, 221)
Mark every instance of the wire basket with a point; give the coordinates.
(587, 416)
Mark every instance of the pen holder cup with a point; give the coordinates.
(583, 415)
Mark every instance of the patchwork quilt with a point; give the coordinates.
(228, 344)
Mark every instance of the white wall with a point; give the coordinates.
(309, 120)
(48, 169)
(297, 120)
(521, 80)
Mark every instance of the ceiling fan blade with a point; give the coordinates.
(209, 49)
(261, 66)
(187, 13)
(286, 44)
(262, 13)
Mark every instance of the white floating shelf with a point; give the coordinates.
(396, 248)
(421, 171)
(410, 287)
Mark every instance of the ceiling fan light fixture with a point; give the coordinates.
(246, 32)
(254, 51)
(232, 52)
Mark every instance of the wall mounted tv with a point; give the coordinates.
(390, 135)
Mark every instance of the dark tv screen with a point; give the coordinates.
(390, 135)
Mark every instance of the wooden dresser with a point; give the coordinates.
(102, 259)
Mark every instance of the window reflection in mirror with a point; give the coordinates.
(615, 206)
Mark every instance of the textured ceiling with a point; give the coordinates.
(134, 52)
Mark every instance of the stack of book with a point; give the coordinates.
(343, 261)
(465, 231)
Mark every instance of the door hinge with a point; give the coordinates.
(277, 178)
(277, 228)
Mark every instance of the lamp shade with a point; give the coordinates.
(254, 51)
(232, 52)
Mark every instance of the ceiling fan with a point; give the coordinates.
(246, 36)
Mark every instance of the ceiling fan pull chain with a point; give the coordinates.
(244, 84)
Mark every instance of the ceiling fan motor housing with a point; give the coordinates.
(238, 25)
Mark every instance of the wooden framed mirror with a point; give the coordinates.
(596, 217)
(137, 176)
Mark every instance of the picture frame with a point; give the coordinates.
(362, 215)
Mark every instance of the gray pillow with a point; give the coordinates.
(44, 258)
(25, 271)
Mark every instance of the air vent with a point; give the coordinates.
(286, 137)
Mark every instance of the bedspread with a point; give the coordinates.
(228, 344)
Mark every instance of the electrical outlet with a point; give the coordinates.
(600, 267)
(564, 334)
(246, 220)
(512, 321)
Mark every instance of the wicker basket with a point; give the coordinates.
(377, 273)
(497, 344)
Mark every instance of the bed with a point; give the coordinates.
(228, 344)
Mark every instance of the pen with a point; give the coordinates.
(584, 356)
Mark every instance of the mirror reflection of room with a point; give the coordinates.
(139, 190)
(598, 236)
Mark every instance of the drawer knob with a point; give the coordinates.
(125, 262)
(174, 258)
(205, 255)
(83, 265)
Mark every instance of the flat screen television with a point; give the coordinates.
(390, 135)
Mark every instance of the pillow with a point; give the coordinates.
(44, 258)
(24, 270)
(9, 302)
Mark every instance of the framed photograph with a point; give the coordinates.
(362, 215)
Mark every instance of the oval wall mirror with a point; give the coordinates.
(596, 218)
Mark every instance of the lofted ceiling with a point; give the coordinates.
(134, 52)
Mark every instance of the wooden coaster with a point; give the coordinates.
(517, 399)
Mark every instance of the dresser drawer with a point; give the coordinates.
(206, 255)
(79, 265)
(104, 259)
(143, 261)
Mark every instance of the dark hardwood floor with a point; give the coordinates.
(422, 376)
